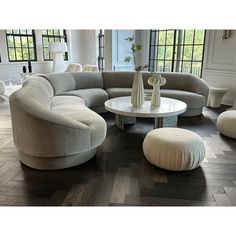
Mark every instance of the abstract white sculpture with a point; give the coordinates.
(137, 94)
(156, 81)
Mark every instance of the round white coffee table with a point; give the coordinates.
(167, 113)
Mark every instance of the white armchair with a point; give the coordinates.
(91, 68)
(74, 67)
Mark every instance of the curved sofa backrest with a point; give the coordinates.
(88, 79)
(61, 82)
(176, 81)
(66, 81)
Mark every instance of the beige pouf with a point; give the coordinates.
(226, 123)
(174, 149)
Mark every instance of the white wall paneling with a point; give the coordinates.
(220, 63)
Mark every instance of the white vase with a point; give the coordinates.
(156, 81)
(137, 94)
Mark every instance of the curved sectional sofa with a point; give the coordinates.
(55, 118)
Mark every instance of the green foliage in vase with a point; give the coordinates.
(134, 49)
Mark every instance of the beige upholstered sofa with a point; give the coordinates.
(54, 117)
(53, 132)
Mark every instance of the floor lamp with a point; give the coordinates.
(58, 48)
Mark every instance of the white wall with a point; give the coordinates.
(81, 49)
(220, 63)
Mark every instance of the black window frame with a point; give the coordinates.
(20, 34)
(54, 36)
(101, 47)
(154, 45)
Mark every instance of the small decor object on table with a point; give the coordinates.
(137, 94)
(156, 81)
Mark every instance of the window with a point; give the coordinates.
(21, 45)
(101, 58)
(177, 51)
(53, 35)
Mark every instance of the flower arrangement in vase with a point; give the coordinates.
(137, 94)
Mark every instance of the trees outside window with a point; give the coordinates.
(177, 51)
(21, 45)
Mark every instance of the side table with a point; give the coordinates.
(215, 96)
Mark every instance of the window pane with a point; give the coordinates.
(161, 52)
(51, 40)
(168, 65)
(45, 42)
(17, 41)
(162, 36)
(160, 66)
(31, 51)
(10, 41)
(169, 52)
(170, 37)
(30, 40)
(16, 31)
(46, 53)
(187, 53)
(189, 36)
(12, 54)
(19, 54)
(199, 36)
(197, 55)
(196, 68)
(24, 42)
(186, 67)
(25, 54)
(23, 32)
(29, 31)
(50, 32)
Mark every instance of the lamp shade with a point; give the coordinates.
(57, 47)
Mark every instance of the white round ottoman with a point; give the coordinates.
(174, 149)
(226, 123)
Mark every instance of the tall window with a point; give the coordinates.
(177, 51)
(21, 45)
(101, 59)
(53, 35)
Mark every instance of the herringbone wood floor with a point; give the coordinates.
(119, 174)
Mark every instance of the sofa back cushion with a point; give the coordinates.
(84, 80)
(61, 82)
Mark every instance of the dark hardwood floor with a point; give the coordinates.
(119, 174)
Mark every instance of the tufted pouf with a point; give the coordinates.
(226, 123)
(174, 149)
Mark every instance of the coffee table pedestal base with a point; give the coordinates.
(159, 122)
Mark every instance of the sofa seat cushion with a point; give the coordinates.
(193, 100)
(75, 108)
(121, 92)
(93, 97)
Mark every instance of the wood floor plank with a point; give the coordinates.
(222, 199)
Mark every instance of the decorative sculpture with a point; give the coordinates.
(156, 81)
